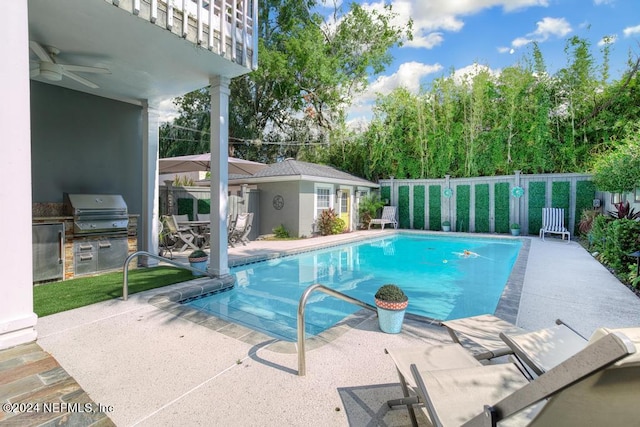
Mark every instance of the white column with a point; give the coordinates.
(218, 257)
(17, 319)
(147, 224)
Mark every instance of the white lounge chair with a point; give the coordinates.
(553, 223)
(488, 336)
(596, 386)
(388, 217)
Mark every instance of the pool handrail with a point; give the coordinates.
(125, 269)
(301, 307)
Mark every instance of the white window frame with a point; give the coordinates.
(317, 187)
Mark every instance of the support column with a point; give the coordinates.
(218, 256)
(17, 319)
(148, 224)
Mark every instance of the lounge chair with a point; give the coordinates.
(596, 386)
(388, 217)
(241, 229)
(489, 337)
(553, 223)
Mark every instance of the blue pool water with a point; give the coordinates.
(444, 278)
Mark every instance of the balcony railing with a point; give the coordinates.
(226, 27)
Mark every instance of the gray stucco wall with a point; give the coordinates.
(288, 215)
(307, 211)
(82, 143)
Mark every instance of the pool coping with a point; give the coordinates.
(173, 301)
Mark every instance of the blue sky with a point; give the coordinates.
(455, 34)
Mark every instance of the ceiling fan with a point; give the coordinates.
(51, 70)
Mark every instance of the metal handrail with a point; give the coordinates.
(301, 306)
(125, 269)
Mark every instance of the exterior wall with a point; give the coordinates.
(17, 319)
(307, 208)
(97, 144)
(289, 215)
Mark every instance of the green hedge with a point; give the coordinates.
(204, 206)
(585, 193)
(463, 205)
(404, 221)
(418, 207)
(501, 206)
(185, 206)
(385, 194)
(560, 197)
(435, 207)
(482, 208)
(537, 194)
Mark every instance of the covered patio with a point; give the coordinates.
(82, 86)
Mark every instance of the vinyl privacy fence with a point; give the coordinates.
(489, 204)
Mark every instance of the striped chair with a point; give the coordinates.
(553, 222)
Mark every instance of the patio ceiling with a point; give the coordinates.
(146, 61)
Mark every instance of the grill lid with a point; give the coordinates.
(97, 213)
(78, 204)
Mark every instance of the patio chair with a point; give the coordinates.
(241, 229)
(388, 217)
(184, 235)
(166, 240)
(553, 223)
(596, 386)
(488, 337)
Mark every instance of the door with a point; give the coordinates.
(344, 201)
(48, 244)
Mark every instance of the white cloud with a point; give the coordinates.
(599, 2)
(608, 40)
(434, 17)
(630, 31)
(409, 76)
(466, 74)
(167, 110)
(545, 29)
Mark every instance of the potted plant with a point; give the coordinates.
(446, 226)
(392, 303)
(515, 229)
(198, 259)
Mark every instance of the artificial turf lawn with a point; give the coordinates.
(55, 297)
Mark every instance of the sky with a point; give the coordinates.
(456, 34)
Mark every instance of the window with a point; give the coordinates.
(344, 200)
(323, 199)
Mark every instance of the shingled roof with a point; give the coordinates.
(305, 170)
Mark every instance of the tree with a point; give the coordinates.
(308, 71)
(619, 170)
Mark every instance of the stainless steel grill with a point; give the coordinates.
(97, 213)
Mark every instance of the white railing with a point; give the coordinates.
(226, 27)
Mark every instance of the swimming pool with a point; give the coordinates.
(444, 278)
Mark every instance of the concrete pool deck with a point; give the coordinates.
(155, 368)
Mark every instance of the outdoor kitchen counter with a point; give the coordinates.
(70, 237)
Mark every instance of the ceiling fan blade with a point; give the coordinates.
(34, 72)
(40, 52)
(83, 69)
(80, 79)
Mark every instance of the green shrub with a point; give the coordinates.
(435, 206)
(621, 241)
(418, 207)
(281, 232)
(585, 193)
(482, 208)
(599, 232)
(537, 193)
(403, 207)
(463, 205)
(185, 207)
(391, 293)
(501, 206)
(368, 208)
(329, 222)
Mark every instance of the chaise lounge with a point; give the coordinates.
(388, 217)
